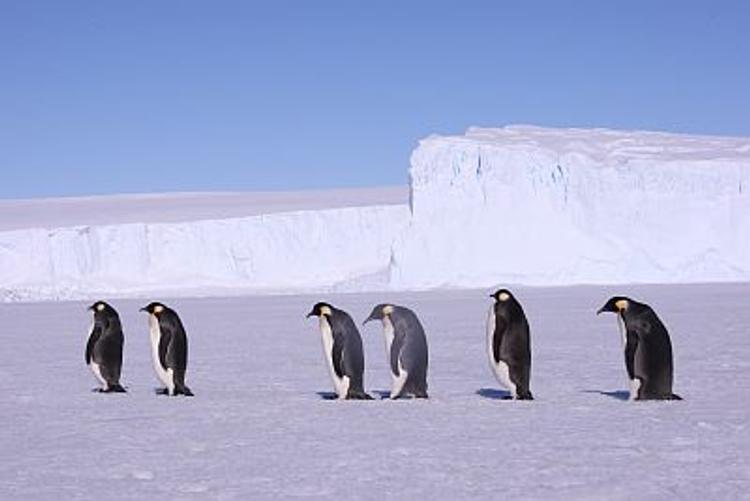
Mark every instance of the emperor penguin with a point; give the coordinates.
(648, 350)
(169, 348)
(342, 347)
(406, 349)
(104, 347)
(509, 344)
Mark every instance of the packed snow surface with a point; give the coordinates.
(183, 207)
(258, 427)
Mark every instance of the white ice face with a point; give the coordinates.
(589, 206)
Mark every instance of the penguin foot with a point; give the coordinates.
(525, 396)
(359, 395)
(111, 389)
(183, 391)
(161, 391)
(674, 396)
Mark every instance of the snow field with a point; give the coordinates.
(258, 427)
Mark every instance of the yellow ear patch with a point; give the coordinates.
(325, 310)
(503, 296)
(622, 304)
(158, 309)
(387, 310)
(100, 307)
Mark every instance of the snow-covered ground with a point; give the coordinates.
(184, 207)
(258, 427)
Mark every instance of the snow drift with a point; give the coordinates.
(517, 205)
(562, 206)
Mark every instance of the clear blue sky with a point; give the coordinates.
(175, 95)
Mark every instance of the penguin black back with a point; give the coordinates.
(104, 347)
(648, 349)
(170, 348)
(509, 344)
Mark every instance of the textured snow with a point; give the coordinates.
(564, 206)
(258, 428)
(183, 207)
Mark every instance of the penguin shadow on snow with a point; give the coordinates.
(327, 395)
(382, 394)
(494, 394)
(616, 394)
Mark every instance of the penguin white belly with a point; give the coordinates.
(340, 384)
(635, 385)
(500, 368)
(388, 334)
(94, 366)
(398, 381)
(98, 374)
(165, 376)
(623, 330)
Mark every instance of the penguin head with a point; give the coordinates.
(320, 310)
(380, 312)
(502, 296)
(101, 308)
(154, 308)
(615, 304)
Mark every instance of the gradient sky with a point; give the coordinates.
(174, 95)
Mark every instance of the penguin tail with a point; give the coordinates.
(675, 396)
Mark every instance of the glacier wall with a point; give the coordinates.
(290, 251)
(564, 206)
(516, 205)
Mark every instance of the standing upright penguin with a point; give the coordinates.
(104, 347)
(509, 344)
(169, 348)
(342, 347)
(406, 349)
(648, 349)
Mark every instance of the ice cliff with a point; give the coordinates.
(516, 205)
(533, 205)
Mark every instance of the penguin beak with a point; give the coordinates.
(90, 308)
(368, 319)
(144, 309)
(311, 314)
(600, 310)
